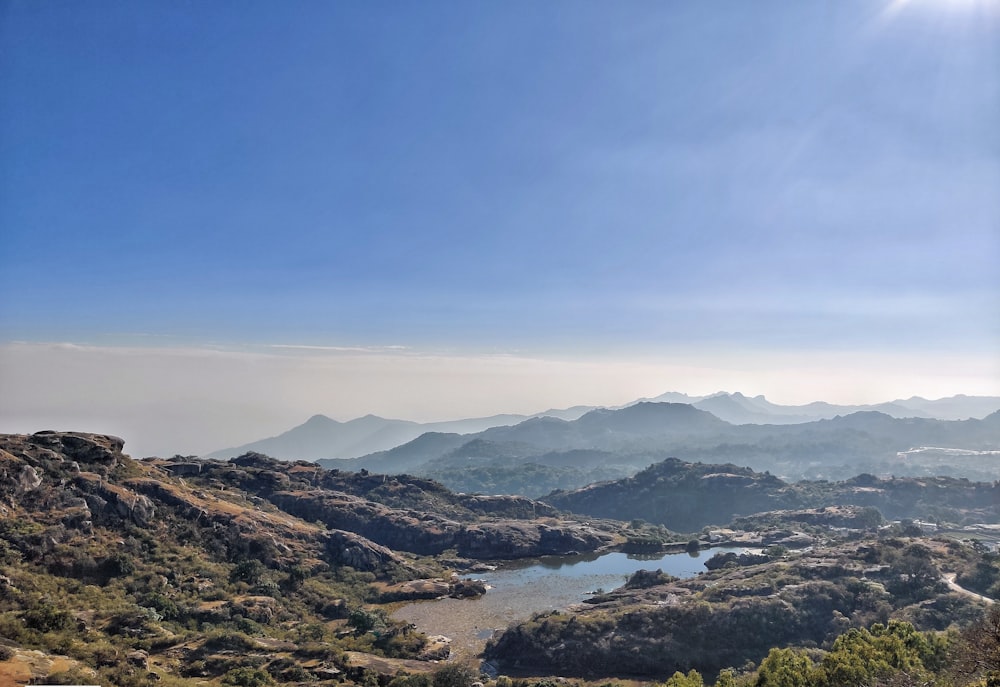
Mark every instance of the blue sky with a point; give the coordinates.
(558, 179)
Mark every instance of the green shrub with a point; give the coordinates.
(455, 675)
(417, 680)
(368, 621)
(679, 679)
(245, 676)
(229, 641)
(164, 606)
(118, 565)
(46, 617)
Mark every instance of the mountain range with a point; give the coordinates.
(322, 437)
(541, 454)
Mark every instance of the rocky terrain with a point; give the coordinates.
(254, 571)
(686, 496)
(181, 568)
(736, 613)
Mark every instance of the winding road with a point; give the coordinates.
(949, 579)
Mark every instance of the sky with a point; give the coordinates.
(217, 219)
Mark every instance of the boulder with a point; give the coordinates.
(138, 658)
(520, 539)
(347, 548)
(28, 479)
(100, 449)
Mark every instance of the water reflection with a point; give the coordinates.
(517, 590)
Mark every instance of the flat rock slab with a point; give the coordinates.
(388, 666)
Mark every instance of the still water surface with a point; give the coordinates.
(550, 583)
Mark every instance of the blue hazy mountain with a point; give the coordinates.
(321, 437)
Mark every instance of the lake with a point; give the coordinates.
(518, 590)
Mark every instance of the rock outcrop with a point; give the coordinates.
(519, 539)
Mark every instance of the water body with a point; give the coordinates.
(517, 591)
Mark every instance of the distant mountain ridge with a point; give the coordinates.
(608, 444)
(321, 437)
(740, 409)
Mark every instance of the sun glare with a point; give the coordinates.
(978, 7)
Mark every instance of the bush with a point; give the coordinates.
(46, 617)
(266, 588)
(245, 676)
(164, 606)
(229, 641)
(367, 621)
(417, 680)
(249, 571)
(118, 565)
(644, 579)
(455, 675)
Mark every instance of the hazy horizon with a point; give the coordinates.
(193, 400)
(216, 222)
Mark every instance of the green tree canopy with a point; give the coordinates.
(786, 668)
(679, 679)
(866, 657)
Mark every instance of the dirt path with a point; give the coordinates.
(949, 579)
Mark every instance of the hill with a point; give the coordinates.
(686, 497)
(182, 570)
(562, 454)
(739, 409)
(321, 437)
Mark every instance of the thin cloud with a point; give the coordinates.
(337, 349)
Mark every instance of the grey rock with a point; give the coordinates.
(28, 480)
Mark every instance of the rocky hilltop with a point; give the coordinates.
(686, 496)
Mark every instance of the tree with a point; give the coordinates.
(976, 653)
(785, 668)
(249, 571)
(726, 679)
(679, 679)
(869, 518)
(368, 621)
(895, 652)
